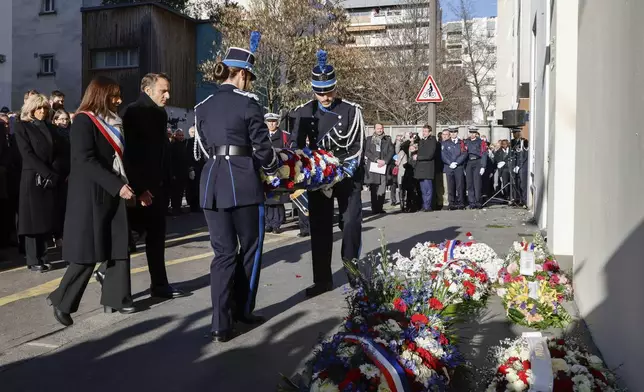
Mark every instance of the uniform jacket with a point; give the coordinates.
(39, 146)
(146, 156)
(424, 163)
(476, 151)
(336, 122)
(233, 117)
(279, 139)
(96, 227)
(371, 154)
(502, 156)
(453, 152)
(520, 152)
(195, 164)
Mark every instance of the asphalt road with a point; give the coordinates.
(164, 348)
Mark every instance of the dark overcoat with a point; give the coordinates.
(39, 145)
(279, 139)
(96, 227)
(386, 153)
(424, 165)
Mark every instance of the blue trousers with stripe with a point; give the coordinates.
(236, 236)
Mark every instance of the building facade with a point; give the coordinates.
(472, 47)
(6, 54)
(584, 98)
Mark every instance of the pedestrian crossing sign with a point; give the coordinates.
(429, 92)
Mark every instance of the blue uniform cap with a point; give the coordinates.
(242, 58)
(323, 75)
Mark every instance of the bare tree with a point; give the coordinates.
(393, 67)
(479, 56)
(292, 32)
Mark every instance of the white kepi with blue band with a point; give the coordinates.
(235, 57)
(323, 75)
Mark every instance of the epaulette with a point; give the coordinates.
(246, 94)
(210, 96)
(302, 105)
(352, 103)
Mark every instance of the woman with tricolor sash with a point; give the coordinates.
(96, 228)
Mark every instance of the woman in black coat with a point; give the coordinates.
(96, 228)
(39, 146)
(424, 166)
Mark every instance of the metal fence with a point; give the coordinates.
(493, 133)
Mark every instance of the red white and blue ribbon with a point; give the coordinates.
(449, 250)
(383, 359)
(528, 246)
(112, 134)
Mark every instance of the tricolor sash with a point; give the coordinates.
(114, 137)
(391, 369)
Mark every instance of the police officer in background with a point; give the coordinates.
(337, 126)
(275, 211)
(519, 146)
(231, 132)
(454, 155)
(475, 166)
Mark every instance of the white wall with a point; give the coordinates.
(539, 105)
(609, 182)
(563, 99)
(58, 34)
(6, 12)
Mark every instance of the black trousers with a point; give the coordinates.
(178, 189)
(474, 182)
(151, 220)
(377, 201)
(234, 275)
(456, 187)
(393, 191)
(521, 185)
(192, 191)
(321, 221)
(303, 223)
(116, 291)
(36, 249)
(504, 179)
(275, 215)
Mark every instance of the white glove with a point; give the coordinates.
(516, 169)
(191, 175)
(453, 165)
(482, 171)
(500, 165)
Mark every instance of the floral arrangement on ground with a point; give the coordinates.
(573, 368)
(399, 334)
(303, 169)
(534, 300)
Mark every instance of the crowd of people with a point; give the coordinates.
(425, 173)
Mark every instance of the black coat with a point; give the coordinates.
(180, 160)
(279, 140)
(39, 146)
(147, 155)
(96, 227)
(424, 164)
(386, 153)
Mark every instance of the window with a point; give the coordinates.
(118, 58)
(48, 7)
(47, 64)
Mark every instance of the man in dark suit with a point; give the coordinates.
(146, 162)
(502, 158)
(275, 211)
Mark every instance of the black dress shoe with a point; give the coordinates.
(268, 229)
(221, 336)
(167, 292)
(251, 319)
(318, 288)
(277, 230)
(303, 235)
(123, 310)
(40, 267)
(60, 316)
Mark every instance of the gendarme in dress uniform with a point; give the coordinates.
(231, 132)
(335, 125)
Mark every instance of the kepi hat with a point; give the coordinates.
(242, 58)
(271, 117)
(323, 75)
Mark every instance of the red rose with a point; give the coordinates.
(503, 369)
(442, 340)
(526, 365)
(554, 279)
(469, 272)
(400, 305)
(470, 289)
(428, 359)
(290, 184)
(523, 376)
(435, 304)
(482, 276)
(419, 319)
(352, 376)
(468, 234)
